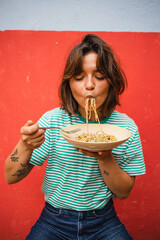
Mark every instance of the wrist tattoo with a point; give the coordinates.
(106, 173)
(14, 158)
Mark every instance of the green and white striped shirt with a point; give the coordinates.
(72, 179)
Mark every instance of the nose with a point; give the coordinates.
(89, 84)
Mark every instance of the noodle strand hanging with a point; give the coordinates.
(99, 136)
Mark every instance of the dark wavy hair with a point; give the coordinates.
(109, 66)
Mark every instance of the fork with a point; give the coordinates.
(66, 131)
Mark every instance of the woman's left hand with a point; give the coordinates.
(102, 155)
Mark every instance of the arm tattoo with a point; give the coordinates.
(20, 172)
(13, 156)
(106, 172)
(23, 171)
(25, 164)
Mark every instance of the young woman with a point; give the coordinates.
(79, 185)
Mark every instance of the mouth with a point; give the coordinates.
(90, 97)
(89, 100)
(90, 103)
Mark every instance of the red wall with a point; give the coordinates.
(31, 65)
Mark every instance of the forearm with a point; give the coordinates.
(17, 164)
(118, 181)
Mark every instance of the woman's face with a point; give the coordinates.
(90, 83)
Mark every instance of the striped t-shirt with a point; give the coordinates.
(72, 179)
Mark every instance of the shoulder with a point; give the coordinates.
(55, 113)
(123, 120)
(120, 116)
(56, 117)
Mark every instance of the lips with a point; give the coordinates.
(90, 96)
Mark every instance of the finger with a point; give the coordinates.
(37, 134)
(36, 142)
(29, 130)
(33, 143)
(28, 138)
(105, 153)
(29, 123)
(101, 153)
(88, 153)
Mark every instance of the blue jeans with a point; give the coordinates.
(62, 224)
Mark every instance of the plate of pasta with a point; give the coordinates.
(94, 138)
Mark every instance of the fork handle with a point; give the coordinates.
(48, 128)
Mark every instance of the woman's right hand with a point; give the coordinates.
(31, 135)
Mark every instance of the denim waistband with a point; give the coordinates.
(56, 223)
(74, 213)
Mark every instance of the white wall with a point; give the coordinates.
(81, 15)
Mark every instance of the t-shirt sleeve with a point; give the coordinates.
(133, 162)
(40, 154)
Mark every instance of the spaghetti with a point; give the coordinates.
(90, 104)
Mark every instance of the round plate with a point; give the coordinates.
(120, 133)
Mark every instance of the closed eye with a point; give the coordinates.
(79, 78)
(100, 78)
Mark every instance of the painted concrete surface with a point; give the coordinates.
(30, 72)
(80, 15)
